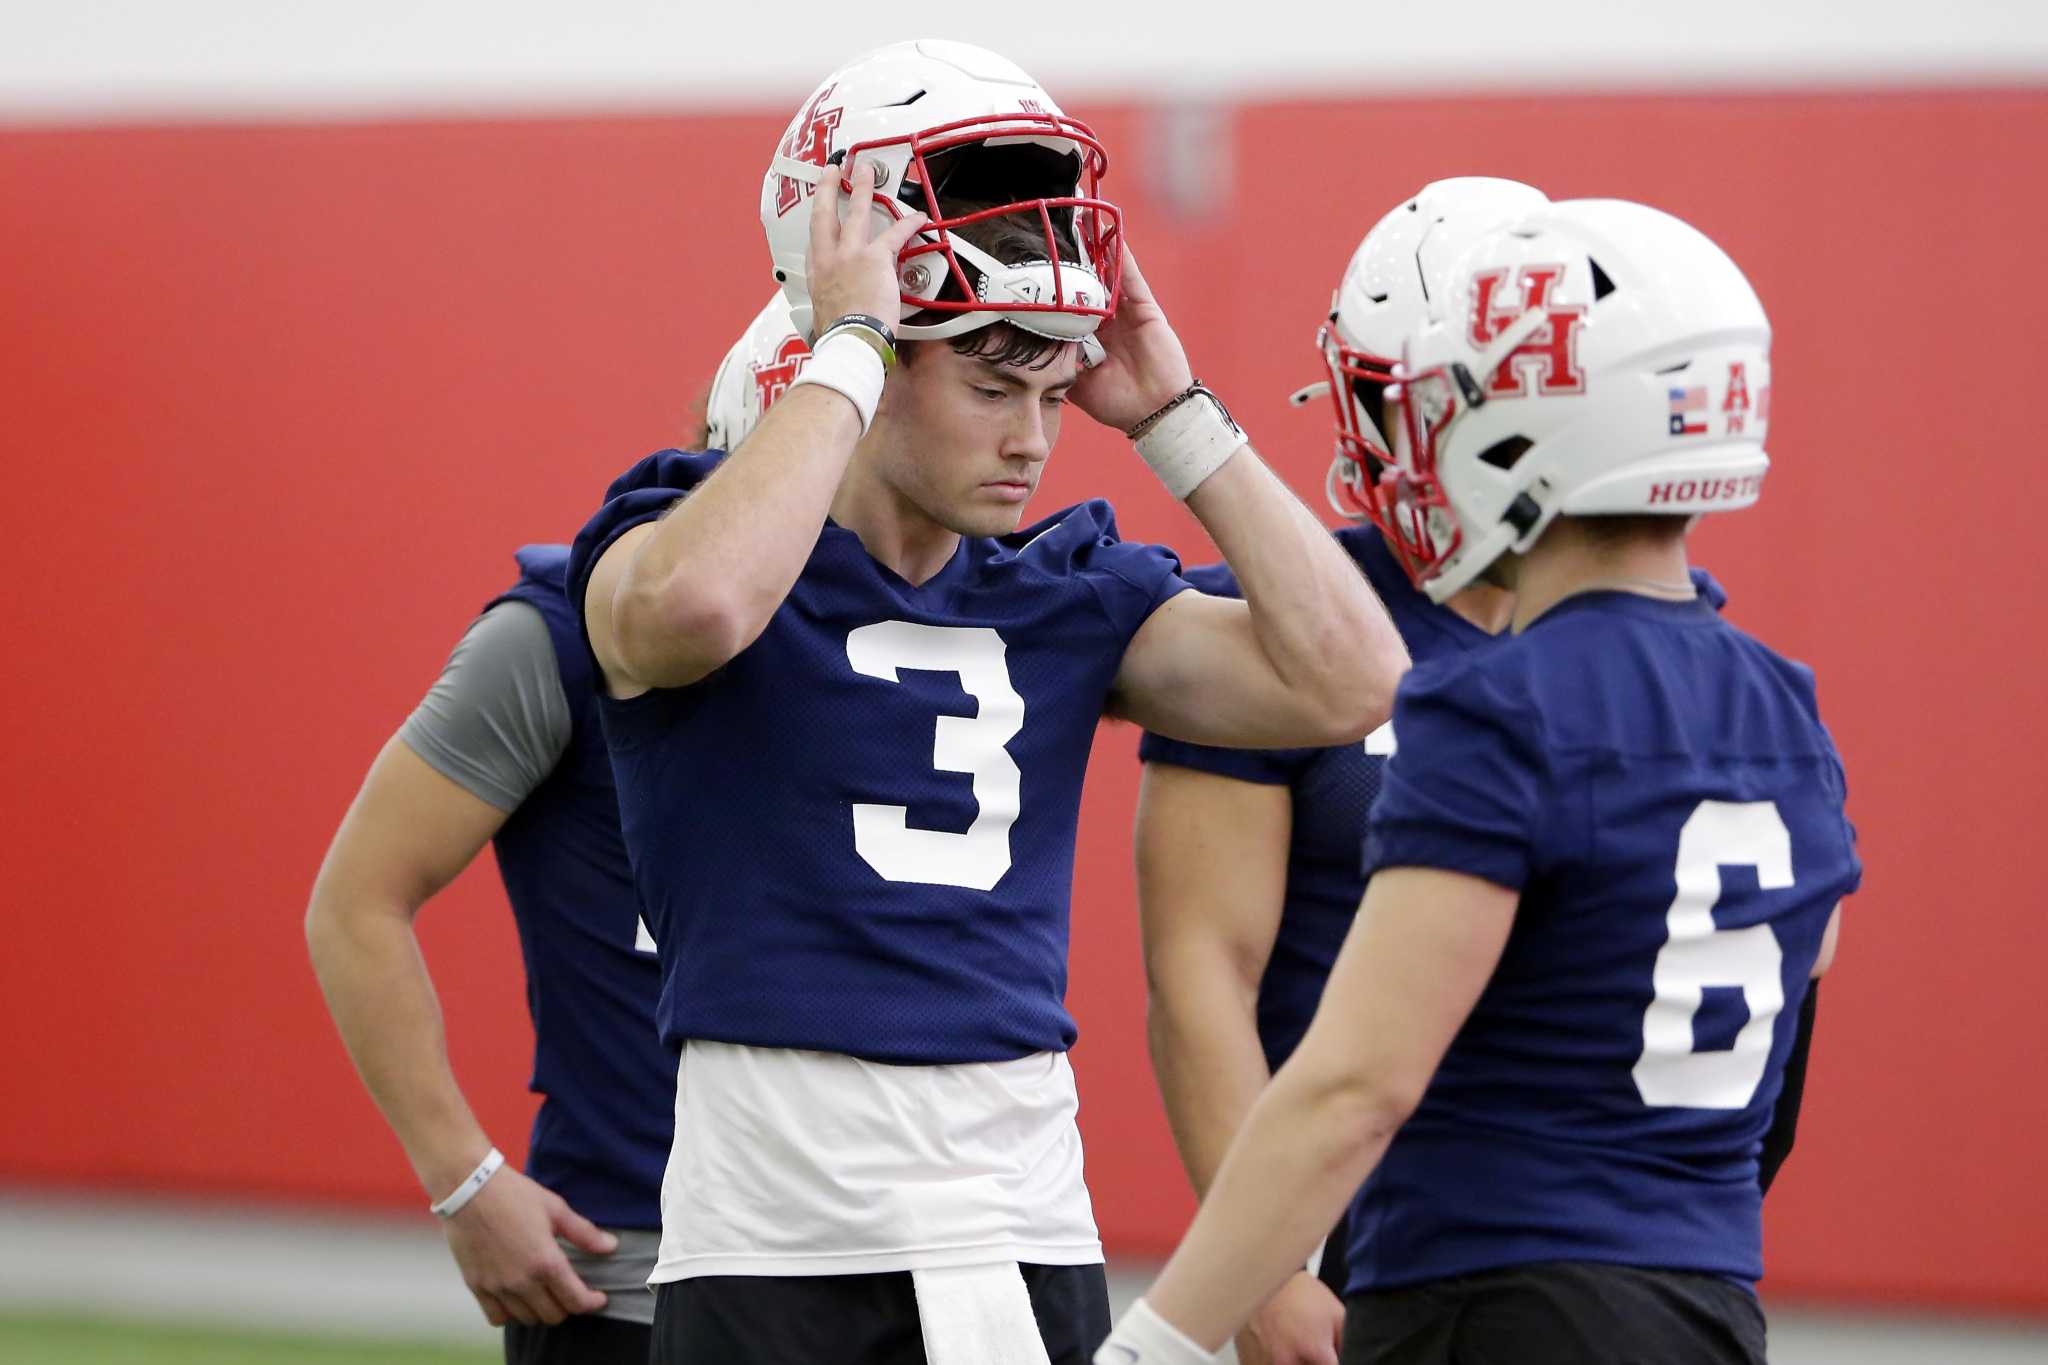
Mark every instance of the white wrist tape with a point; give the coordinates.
(847, 365)
(1142, 1337)
(466, 1191)
(1190, 443)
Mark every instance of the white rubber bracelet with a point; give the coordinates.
(466, 1191)
(1190, 443)
(847, 365)
(1142, 1337)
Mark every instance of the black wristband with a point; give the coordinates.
(867, 320)
(872, 331)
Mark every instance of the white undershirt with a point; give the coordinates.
(812, 1163)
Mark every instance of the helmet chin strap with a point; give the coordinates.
(1027, 282)
(960, 324)
(788, 166)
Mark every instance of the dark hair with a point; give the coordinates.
(999, 343)
(1013, 242)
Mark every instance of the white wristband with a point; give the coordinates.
(1190, 443)
(847, 365)
(1142, 1337)
(466, 1191)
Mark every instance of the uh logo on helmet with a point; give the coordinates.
(1592, 357)
(968, 138)
(756, 371)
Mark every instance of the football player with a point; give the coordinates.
(1248, 871)
(1607, 856)
(505, 747)
(850, 704)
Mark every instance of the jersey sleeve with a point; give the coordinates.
(1465, 791)
(1838, 780)
(1801, 680)
(1267, 767)
(641, 494)
(496, 721)
(1130, 579)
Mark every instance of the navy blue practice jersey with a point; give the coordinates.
(1659, 789)
(1331, 790)
(601, 1136)
(858, 835)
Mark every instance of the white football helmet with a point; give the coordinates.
(1385, 295)
(1591, 357)
(947, 124)
(758, 369)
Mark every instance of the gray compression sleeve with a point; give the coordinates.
(497, 720)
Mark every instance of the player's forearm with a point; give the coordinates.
(384, 1007)
(1309, 1142)
(703, 586)
(1203, 1031)
(1323, 630)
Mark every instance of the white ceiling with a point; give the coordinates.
(90, 59)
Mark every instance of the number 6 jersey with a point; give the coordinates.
(1659, 788)
(857, 836)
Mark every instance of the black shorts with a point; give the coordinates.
(852, 1319)
(582, 1340)
(1557, 1313)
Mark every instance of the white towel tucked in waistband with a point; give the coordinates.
(977, 1315)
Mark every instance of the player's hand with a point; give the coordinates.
(1302, 1324)
(852, 266)
(504, 1241)
(1143, 366)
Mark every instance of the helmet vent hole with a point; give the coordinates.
(905, 104)
(1679, 368)
(1602, 286)
(1503, 454)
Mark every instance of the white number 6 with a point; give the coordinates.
(1697, 955)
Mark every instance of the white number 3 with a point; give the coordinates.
(1697, 955)
(961, 744)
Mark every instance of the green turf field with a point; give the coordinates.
(80, 1341)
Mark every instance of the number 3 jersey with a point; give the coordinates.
(857, 836)
(1659, 789)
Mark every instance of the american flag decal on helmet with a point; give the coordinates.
(1689, 411)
